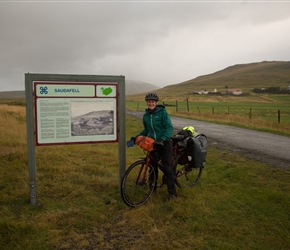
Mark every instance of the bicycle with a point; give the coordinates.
(139, 180)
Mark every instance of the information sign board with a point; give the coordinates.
(75, 112)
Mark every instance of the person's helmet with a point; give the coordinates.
(152, 96)
(190, 129)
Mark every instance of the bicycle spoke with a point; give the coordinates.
(137, 184)
(185, 176)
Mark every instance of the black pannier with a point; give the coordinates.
(197, 149)
(194, 148)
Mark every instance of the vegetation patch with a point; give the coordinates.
(238, 203)
(271, 115)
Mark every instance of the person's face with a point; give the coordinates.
(151, 104)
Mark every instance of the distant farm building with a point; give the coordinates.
(234, 92)
(205, 92)
(214, 92)
(201, 92)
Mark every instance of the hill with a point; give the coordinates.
(241, 76)
(12, 94)
(135, 87)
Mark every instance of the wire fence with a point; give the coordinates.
(277, 113)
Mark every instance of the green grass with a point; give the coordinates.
(219, 107)
(252, 114)
(238, 203)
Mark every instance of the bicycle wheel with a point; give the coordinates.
(186, 177)
(138, 183)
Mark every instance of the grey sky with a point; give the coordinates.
(161, 43)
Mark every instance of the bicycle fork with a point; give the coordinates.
(141, 178)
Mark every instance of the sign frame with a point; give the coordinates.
(76, 80)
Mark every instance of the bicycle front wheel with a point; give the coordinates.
(185, 176)
(138, 183)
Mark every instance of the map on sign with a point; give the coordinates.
(106, 91)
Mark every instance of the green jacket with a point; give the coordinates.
(157, 124)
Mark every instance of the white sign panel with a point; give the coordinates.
(54, 90)
(75, 113)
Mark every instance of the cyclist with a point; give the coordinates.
(157, 125)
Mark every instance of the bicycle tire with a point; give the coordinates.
(136, 185)
(186, 177)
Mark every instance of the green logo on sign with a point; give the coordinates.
(107, 91)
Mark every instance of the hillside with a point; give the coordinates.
(12, 94)
(135, 87)
(241, 76)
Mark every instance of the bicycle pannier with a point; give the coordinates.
(185, 133)
(197, 149)
(195, 146)
(145, 142)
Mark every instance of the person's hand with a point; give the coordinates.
(131, 142)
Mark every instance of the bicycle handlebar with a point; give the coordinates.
(177, 138)
(158, 143)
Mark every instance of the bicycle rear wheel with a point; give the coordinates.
(138, 183)
(185, 176)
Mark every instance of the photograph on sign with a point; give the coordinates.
(91, 118)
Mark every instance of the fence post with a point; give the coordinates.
(278, 116)
(212, 109)
(250, 113)
(187, 105)
(176, 106)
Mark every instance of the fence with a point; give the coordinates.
(274, 112)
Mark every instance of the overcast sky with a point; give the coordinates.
(159, 42)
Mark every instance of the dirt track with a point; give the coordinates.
(262, 146)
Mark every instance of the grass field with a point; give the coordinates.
(265, 112)
(238, 204)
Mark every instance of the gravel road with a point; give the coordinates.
(262, 146)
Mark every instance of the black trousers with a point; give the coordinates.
(166, 162)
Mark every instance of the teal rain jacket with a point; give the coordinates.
(157, 124)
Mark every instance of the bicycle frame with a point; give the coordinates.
(150, 157)
(147, 159)
(140, 179)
